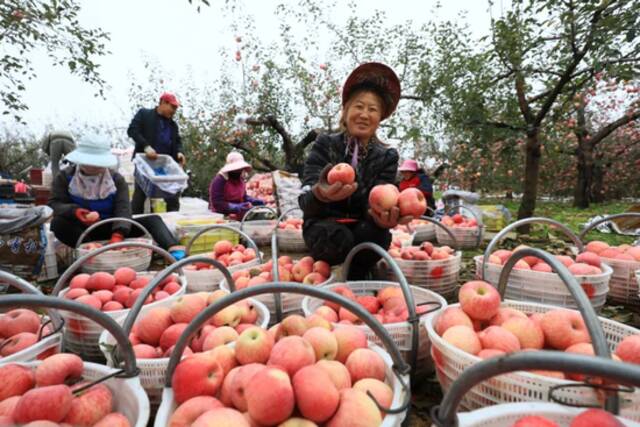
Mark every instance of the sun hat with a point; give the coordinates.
(93, 150)
(170, 98)
(234, 162)
(377, 77)
(408, 165)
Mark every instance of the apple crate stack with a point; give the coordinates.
(38, 391)
(113, 294)
(155, 333)
(275, 375)
(204, 277)
(138, 258)
(533, 279)
(623, 259)
(536, 414)
(482, 326)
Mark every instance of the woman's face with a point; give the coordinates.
(363, 115)
(91, 170)
(407, 174)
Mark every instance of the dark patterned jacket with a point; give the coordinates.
(379, 166)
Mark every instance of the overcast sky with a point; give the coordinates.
(176, 36)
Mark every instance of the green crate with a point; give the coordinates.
(205, 242)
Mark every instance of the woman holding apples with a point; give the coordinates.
(337, 215)
(89, 191)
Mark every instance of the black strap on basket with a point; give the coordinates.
(407, 401)
(436, 306)
(608, 389)
(54, 331)
(120, 373)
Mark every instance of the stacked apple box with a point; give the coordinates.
(296, 373)
(136, 258)
(306, 271)
(625, 261)
(427, 266)
(533, 280)
(203, 277)
(37, 393)
(156, 331)
(467, 231)
(114, 295)
(386, 302)
(482, 326)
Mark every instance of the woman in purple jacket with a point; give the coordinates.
(227, 191)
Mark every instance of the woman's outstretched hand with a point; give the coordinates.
(335, 192)
(389, 218)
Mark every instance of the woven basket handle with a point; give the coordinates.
(608, 218)
(36, 301)
(290, 287)
(600, 346)
(244, 235)
(92, 227)
(444, 415)
(62, 280)
(498, 237)
(28, 288)
(158, 278)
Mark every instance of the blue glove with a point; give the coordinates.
(256, 202)
(237, 207)
(178, 254)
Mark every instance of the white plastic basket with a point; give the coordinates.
(291, 303)
(507, 414)
(424, 232)
(291, 240)
(153, 371)
(169, 405)
(208, 280)
(260, 230)
(467, 238)
(440, 276)
(521, 386)
(546, 288)
(623, 286)
(137, 258)
(401, 332)
(128, 396)
(81, 335)
(44, 348)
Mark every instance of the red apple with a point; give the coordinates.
(412, 202)
(479, 300)
(383, 197)
(343, 173)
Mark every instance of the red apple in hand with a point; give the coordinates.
(411, 202)
(383, 197)
(342, 172)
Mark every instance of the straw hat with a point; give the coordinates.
(377, 77)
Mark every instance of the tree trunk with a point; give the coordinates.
(584, 155)
(597, 188)
(530, 184)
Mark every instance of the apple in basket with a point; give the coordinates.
(118, 291)
(459, 221)
(19, 329)
(387, 305)
(587, 418)
(585, 264)
(43, 394)
(306, 270)
(425, 252)
(227, 254)
(291, 224)
(281, 388)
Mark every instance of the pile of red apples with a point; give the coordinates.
(19, 329)
(480, 326)
(45, 396)
(118, 291)
(306, 271)
(300, 372)
(227, 254)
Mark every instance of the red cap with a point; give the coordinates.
(170, 98)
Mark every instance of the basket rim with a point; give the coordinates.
(43, 344)
(457, 256)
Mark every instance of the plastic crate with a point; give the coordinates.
(186, 229)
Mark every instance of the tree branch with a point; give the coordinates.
(267, 166)
(568, 72)
(270, 120)
(309, 138)
(608, 129)
(497, 125)
(414, 97)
